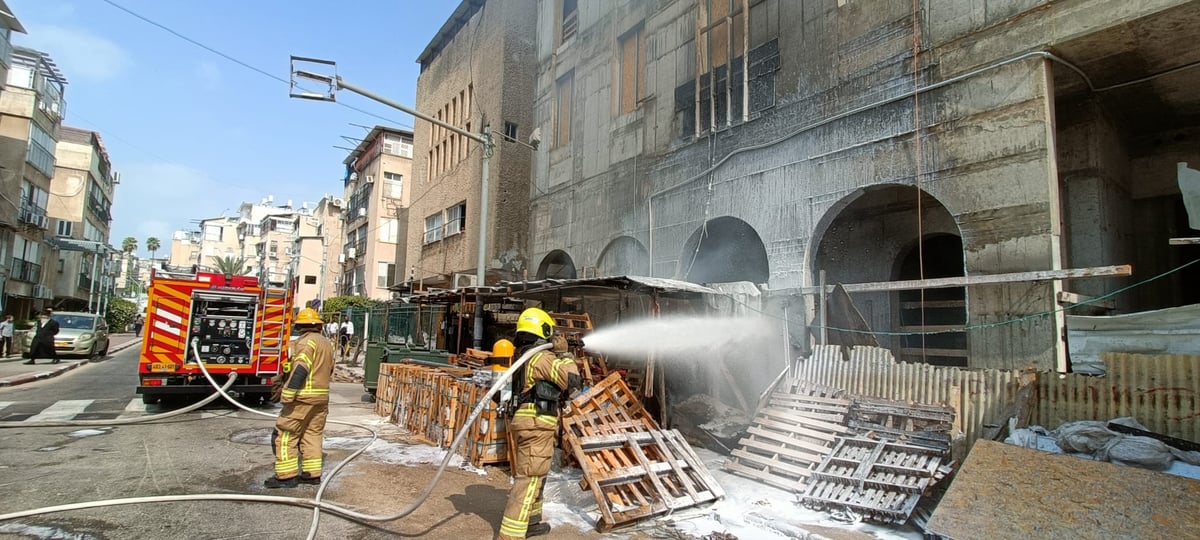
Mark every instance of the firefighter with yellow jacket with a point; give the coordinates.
(300, 427)
(539, 387)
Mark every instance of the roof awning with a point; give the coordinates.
(637, 284)
(72, 244)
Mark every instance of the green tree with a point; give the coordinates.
(121, 313)
(129, 245)
(338, 304)
(230, 265)
(153, 245)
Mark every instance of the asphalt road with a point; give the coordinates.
(217, 450)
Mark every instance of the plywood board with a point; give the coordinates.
(1005, 491)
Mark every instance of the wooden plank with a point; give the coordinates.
(814, 457)
(793, 486)
(793, 437)
(774, 465)
(803, 420)
(1086, 499)
(952, 353)
(1184, 241)
(934, 304)
(968, 281)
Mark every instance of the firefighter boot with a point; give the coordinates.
(306, 478)
(275, 483)
(537, 529)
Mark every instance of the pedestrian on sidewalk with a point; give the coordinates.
(137, 325)
(6, 335)
(43, 340)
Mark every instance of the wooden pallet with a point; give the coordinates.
(912, 423)
(881, 480)
(632, 467)
(791, 436)
(574, 327)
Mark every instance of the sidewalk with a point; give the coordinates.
(14, 372)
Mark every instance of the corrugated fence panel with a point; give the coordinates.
(979, 396)
(1161, 391)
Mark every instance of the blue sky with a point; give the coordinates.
(193, 134)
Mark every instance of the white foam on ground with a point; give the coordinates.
(402, 454)
(87, 433)
(34, 531)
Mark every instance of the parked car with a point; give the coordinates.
(79, 334)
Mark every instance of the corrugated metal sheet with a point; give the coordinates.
(979, 396)
(1160, 391)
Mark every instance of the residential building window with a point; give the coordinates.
(385, 274)
(389, 230)
(456, 219)
(64, 227)
(91, 232)
(40, 152)
(562, 107)
(397, 145)
(32, 208)
(393, 185)
(510, 132)
(632, 70)
(62, 263)
(433, 228)
(310, 280)
(569, 23)
(213, 233)
(21, 76)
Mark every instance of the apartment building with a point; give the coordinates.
(184, 250)
(80, 208)
(376, 191)
(772, 141)
(477, 73)
(315, 246)
(273, 250)
(31, 111)
(8, 25)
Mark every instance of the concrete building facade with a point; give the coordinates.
(770, 141)
(477, 73)
(315, 246)
(376, 188)
(31, 111)
(80, 208)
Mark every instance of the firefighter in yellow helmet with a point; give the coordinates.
(299, 429)
(539, 386)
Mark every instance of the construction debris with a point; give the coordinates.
(633, 468)
(1085, 499)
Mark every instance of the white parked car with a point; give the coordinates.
(79, 334)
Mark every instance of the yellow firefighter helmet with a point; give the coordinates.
(308, 316)
(503, 349)
(536, 322)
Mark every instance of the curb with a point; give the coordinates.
(23, 379)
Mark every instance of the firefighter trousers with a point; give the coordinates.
(534, 439)
(298, 438)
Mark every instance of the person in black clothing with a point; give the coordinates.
(43, 340)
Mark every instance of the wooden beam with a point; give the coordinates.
(1070, 298)
(968, 281)
(1185, 241)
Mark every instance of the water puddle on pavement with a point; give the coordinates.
(35, 531)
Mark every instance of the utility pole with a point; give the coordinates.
(484, 138)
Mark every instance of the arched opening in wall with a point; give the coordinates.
(556, 265)
(941, 310)
(623, 256)
(724, 250)
(868, 237)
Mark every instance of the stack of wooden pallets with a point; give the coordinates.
(633, 468)
(433, 403)
(881, 480)
(791, 436)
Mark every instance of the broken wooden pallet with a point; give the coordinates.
(633, 469)
(791, 436)
(914, 423)
(881, 480)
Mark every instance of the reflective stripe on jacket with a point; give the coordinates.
(312, 368)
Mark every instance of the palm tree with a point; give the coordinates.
(153, 245)
(129, 245)
(230, 266)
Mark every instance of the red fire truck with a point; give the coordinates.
(237, 325)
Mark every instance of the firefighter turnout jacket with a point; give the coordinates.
(305, 396)
(533, 428)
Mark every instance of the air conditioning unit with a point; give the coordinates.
(41, 222)
(341, 257)
(289, 252)
(362, 212)
(464, 280)
(370, 179)
(351, 253)
(337, 280)
(338, 201)
(42, 291)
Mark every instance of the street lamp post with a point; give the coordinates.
(484, 138)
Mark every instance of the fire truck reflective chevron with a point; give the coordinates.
(234, 325)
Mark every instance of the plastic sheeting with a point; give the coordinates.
(1164, 331)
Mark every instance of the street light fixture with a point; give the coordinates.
(484, 138)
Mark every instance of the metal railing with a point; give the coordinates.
(23, 270)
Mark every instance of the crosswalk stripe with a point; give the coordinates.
(134, 409)
(61, 410)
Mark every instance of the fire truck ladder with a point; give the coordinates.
(273, 320)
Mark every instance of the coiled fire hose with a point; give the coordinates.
(316, 504)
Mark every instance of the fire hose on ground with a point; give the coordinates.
(315, 503)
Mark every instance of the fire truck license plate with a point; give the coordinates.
(156, 367)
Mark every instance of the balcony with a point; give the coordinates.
(40, 158)
(85, 283)
(33, 215)
(6, 49)
(23, 270)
